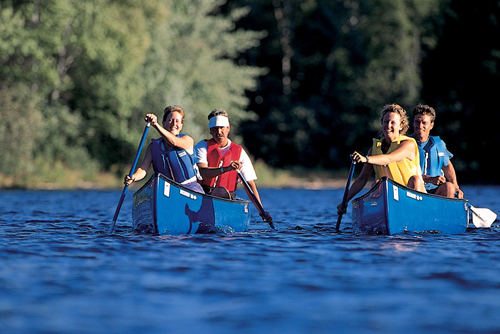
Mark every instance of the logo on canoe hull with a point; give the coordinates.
(187, 194)
(414, 196)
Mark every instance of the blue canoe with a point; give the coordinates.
(164, 207)
(390, 208)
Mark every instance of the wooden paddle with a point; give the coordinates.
(343, 205)
(132, 170)
(255, 200)
(482, 217)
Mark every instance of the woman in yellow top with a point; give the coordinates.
(395, 155)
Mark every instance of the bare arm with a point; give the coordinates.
(266, 216)
(142, 171)
(357, 186)
(360, 181)
(211, 172)
(451, 176)
(255, 191)
(434, 179)
(405, 150)
(185, 142)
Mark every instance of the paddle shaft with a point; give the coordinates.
(132, 170)
(346, 193)
(254, 198)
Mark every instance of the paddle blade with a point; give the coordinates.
(482, 217)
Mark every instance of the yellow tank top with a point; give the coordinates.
(399, 171)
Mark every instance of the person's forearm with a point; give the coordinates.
(255, 191)
(211, 172)
(139, 174)
(451, 176)
(169, 137)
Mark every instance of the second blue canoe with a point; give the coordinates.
(390, 208)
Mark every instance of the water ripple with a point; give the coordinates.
(62, 272)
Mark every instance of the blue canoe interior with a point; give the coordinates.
(390, 208)
(165, 207)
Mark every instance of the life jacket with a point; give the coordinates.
(215, 158)
(400, 171)
(433, 156)
(176, 164)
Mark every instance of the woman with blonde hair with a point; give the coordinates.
(395, 155)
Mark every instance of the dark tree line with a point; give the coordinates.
(303, 80)
(332, 65)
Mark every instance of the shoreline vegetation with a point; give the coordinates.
(66, 179)
(303, 81)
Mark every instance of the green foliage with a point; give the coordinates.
(303, 81)
(82, 74)
(20, 128)
(190, 64)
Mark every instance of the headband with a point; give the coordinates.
(218, 121)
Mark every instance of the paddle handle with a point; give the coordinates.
(132, 170)
(254, 198)
(343, 205)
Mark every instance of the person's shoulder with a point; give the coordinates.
(232, 143)
(437, 139)
(186, 137)
(408, 142)
(406, 138)
(201, 144)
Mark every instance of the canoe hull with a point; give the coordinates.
(390, 208)
(164, 207)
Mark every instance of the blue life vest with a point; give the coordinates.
(433, 157)
(176, 164)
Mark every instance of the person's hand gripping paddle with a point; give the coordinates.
(132, 170)
(265, 216)
(343, 205)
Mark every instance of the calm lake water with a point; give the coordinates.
(62, 273)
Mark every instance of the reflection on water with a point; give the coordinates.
(61, 272)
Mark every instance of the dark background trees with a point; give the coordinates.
(461, 79)
(304, 81)
(349, 58)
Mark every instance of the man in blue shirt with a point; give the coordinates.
(437, 170)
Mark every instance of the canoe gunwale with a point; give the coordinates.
(405, 188)
(153, 178)
(391, 208)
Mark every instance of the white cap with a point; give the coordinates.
(218, 121)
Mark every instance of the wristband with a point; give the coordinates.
(367, 160)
